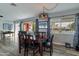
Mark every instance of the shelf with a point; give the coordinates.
(43, 21)
(43, 28)
(43, 31)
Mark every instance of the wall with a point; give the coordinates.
(61, 38)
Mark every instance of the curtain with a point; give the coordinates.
(76, 36)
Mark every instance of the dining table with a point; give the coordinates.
(7, 32)
(38, 38)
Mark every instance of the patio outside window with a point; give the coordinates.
(63, 24)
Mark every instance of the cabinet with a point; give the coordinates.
(43, 25)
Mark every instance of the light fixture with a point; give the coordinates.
(43, 15)
(50, 8)
(46, 7)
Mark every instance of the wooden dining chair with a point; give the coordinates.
(49, 44)
(30, 44)
(21, 36)
(41, 37)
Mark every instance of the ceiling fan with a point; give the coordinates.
(13, 4)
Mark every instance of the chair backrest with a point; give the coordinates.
(51, 39)
(42, 35)
(28, 38)
(21, 36)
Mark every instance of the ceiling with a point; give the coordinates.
(26, 10)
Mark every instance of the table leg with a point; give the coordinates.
(41, 49)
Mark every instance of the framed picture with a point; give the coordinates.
(7, 26)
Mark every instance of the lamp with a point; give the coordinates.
(44, 15)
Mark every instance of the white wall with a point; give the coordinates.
(61, 38)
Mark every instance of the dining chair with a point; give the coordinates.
(49, 44)
(21, 36)
(31, 44)
(41, 37)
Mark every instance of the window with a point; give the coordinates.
(64, 24)
(7, 26)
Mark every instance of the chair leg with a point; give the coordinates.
(33, 52)
(24, 51)
(19, 48)
(39, 50)
(51, 51)
(44, 48)
(27, 51)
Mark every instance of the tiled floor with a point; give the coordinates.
(9, 49)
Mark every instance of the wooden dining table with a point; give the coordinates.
(7, 32)
(40, 41)
(41, 47)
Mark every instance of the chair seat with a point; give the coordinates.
(46, 43)
(32, 45)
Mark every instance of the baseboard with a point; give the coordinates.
(58, 43)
